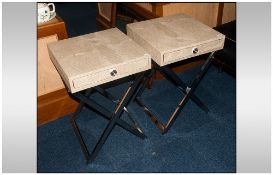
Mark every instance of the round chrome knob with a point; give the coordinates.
(195, 50)
(113, 72)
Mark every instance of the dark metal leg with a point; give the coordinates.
(149, 74)
(76, 128)
(111, 97)
(113, 117)
(81, 105)
(189, 94)
(80, 138)
(106, 94)
(190, 90)
(106, 114)
(172, 77)
(201, 74)
(151, 115)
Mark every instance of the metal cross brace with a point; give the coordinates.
(187, 90)
(113, 117)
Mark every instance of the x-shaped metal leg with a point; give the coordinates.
(113, 117)
(187, 90)
(112, 98)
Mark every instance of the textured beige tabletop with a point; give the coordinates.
(172, 38)
(88, 60)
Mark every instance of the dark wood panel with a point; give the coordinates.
(140, 13)
(56, 27)
(220, 13)
(101, 22)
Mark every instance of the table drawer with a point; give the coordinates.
(189, 52)
(110, 74)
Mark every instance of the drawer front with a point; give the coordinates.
(111, 74)
(91, 79)
(189, 52)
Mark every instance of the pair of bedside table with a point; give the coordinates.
(88, 61)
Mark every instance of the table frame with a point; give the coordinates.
(113, 117)
(187, 90)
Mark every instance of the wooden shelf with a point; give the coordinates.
(53, 99)
(54, 26)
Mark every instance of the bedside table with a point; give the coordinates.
(181, 37)
(89, 61)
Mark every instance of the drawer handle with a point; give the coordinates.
(113, 73)
(195, 50)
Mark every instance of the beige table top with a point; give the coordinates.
(86, 61)
(169, 34)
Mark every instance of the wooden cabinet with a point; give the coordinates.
(54, 26)
(53, 99)
(211, 14)
(106, 15)
(207, 13)
(229, 12)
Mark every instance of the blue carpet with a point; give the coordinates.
(197, 142)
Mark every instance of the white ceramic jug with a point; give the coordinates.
(44, 12)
